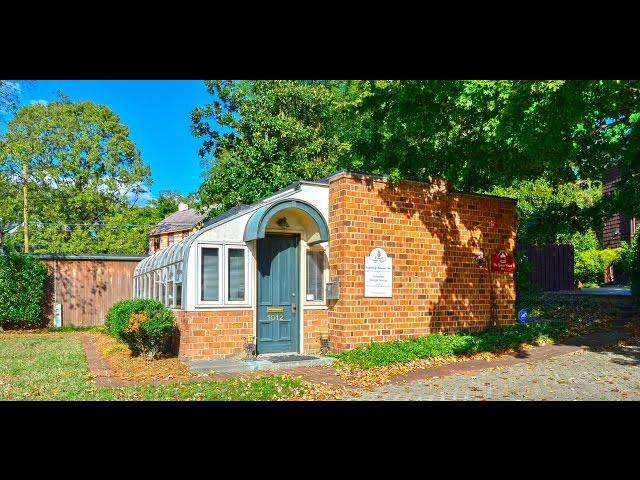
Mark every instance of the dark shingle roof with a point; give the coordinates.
(181, 220)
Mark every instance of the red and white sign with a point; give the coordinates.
(502, 261)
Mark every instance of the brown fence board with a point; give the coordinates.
(552, 266)
(87, 288)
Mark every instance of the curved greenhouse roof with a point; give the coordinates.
(173, 254)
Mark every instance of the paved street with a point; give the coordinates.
(612, 374)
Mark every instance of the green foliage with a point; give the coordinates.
(439, 345)
(262, 135)
(523, 270)
(145, 325)
(550, 141)
(22, 284)
(590, 265)
(633, 265)
(80, 168)
(167, 202)
(542, 212)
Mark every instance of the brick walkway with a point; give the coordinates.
(546, 372)
(609, 374)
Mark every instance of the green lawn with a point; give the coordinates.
(53, 367)
(43, 367)
(440, 345)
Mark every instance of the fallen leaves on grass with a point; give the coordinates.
(371, 378)
(138, 369)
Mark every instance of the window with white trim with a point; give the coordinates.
(210, 273)
(236, 274)
(170, 283)
(163, 287)
(178, 284)
(315, 268)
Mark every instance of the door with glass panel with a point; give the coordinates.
(278, 299)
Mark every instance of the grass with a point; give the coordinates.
(54, 367)
(43, 367)
(441, 345)
(265, 387)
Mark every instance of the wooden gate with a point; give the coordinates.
(551, 266)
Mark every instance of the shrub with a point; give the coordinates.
(591, 264)
(145, 325)
(634, 267)
(523, 269)
(22, 287)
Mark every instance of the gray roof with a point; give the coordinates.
(180, 220)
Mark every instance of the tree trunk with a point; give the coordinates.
(25, 205)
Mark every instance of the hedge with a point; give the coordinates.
(22, 289)
(145, 325)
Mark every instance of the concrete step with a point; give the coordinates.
(260, 363)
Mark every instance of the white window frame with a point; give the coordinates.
(178, 268)
(221, 282)
(157, 279)
(325, 276)
(247, 292)
(171, 280)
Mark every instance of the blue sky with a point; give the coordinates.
(157, 113)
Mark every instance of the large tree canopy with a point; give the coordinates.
(480, 135)
(261, 135)
(75, 167)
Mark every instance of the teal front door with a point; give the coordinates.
(278, 298)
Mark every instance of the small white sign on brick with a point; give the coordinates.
(378, 274)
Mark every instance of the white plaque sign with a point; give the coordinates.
(378, 274)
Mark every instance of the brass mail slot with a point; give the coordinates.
(275, 309)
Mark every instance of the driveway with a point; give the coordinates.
(609, 374)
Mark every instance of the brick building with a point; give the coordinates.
(175, 227)
(352, 256)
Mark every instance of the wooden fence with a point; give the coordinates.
(551, 266)
(87, 285)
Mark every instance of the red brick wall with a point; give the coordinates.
(431, 236)
(214, 334)
(315, 322)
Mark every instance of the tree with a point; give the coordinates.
(479, 134)
(167, 202)
(9, 210)
(77, 167)
(128, 232)
(259, 136)
(9, 97)
(483, 134)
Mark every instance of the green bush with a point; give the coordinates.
(634, 267)
(440, 345)
(22, 287)
(145, 325)
(523, 269)
(590, 264)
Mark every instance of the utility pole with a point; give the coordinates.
(25, 205)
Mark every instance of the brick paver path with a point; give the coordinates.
(610, 374)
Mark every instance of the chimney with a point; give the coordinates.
(182, 207)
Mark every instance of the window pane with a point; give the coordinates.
(315, 276)
(209, 281)
(163, 287)
(236, 274)
(178, 295)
